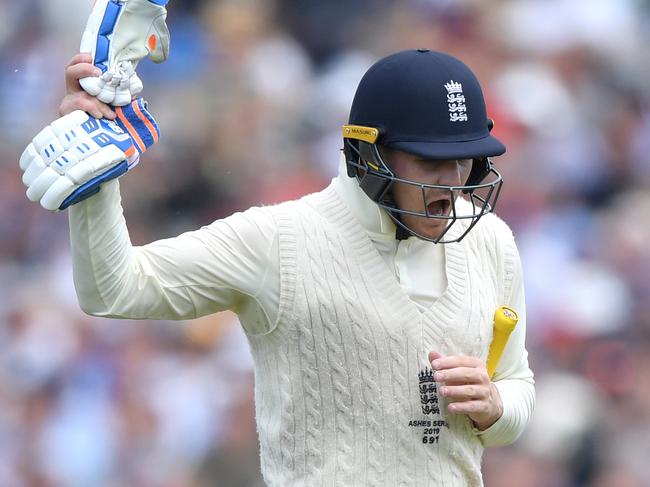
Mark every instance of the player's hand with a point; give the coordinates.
(71, 158)
(118, 34)
(80, 66)
(465, 383)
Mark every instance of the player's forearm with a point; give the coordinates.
(513, 378)
(517, 391)
(109, 273)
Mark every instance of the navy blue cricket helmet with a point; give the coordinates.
(429, 104)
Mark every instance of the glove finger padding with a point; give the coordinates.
(118, 34)
(71, 158)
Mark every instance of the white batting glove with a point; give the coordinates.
(118, 34)
(71, 158)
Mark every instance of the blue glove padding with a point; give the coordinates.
(135, 120)
(71, 158)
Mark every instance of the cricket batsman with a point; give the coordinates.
(369, 306)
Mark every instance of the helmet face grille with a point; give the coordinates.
(482, 200)
(377, 180)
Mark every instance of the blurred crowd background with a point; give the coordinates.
(250, 104)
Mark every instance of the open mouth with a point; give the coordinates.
(439, 207)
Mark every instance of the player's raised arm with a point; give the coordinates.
(73, 164)
(221, 266)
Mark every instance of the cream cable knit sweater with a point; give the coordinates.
(344, 394)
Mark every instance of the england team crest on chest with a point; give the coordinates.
(456, 102)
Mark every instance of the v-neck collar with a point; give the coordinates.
(363, 221)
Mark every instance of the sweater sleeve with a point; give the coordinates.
(513, 377)
(226, 265)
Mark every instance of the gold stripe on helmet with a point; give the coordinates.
(358, 132)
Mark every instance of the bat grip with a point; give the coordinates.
(505, 320)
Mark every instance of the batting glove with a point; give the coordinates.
(120, 33)
(71, 158)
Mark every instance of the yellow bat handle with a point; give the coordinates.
(505, 320)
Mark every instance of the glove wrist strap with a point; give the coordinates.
(136, 120)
